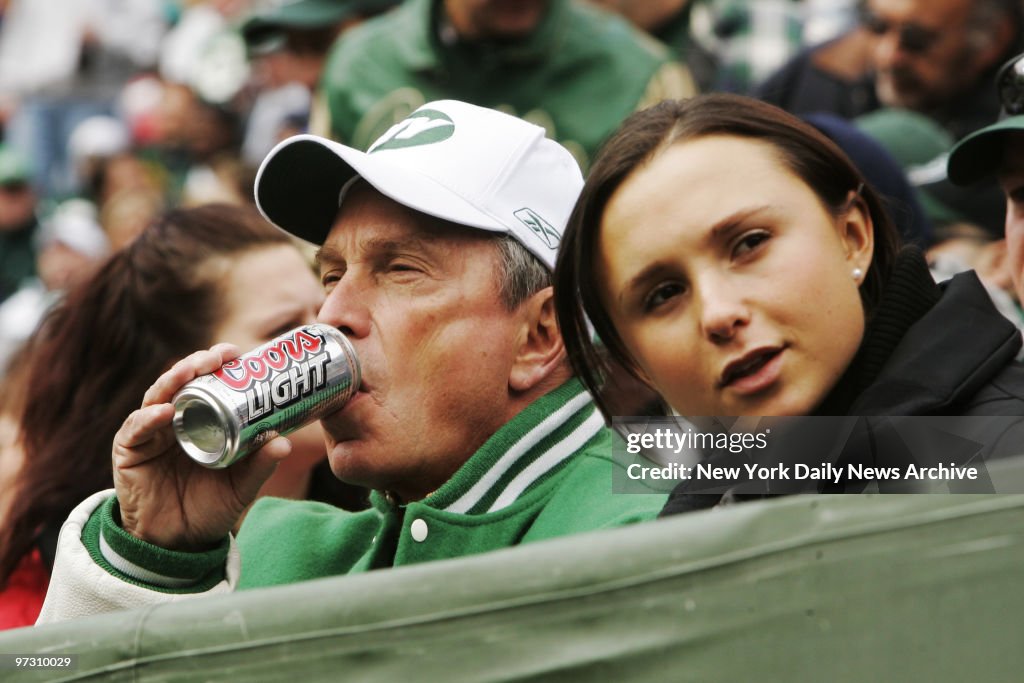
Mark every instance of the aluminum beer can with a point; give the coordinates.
(274, 389)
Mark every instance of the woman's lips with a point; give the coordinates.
(754, 372)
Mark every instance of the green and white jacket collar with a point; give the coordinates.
(423, 52)
(531, 448)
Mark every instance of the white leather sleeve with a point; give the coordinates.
(80, 587)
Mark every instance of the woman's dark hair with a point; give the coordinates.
(97, 352)
(803, 149)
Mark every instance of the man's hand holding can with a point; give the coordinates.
(199, 409)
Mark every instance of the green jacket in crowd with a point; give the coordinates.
(17, 257)
(578, 75)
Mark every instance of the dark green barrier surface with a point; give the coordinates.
(854, 588)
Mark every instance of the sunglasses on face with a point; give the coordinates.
(913, 38)
(1010, 83)
(310, 41)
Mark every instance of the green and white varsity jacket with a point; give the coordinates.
(546, 473)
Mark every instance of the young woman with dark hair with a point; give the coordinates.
(732, 258)
(195, 277)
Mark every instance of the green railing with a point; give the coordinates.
(808, 588)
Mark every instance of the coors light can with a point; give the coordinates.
(274, 389)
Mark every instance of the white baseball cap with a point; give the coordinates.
(469, 165)
(98, 136)
(75, 225)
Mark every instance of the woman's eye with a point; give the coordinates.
(750, 242)
(661, 294)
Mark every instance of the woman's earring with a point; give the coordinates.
(857, 274)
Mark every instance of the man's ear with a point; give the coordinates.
(990, 52)
(541, 350)
(992, 263)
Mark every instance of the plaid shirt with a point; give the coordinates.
(750, 39)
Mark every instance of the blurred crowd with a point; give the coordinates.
(113, 112)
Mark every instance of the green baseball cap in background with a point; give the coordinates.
(913, 139)
(921, 147)
(13, 166)
(980, 154)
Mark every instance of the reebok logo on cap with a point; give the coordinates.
(422, 127)
(539, 226)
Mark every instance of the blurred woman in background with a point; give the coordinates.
(195, 277)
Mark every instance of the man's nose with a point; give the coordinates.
(888, 51)
(347, 307)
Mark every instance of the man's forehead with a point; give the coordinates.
(1012, 144)
(362, 235)
(348, 241)
(366, 209)
(924, 12)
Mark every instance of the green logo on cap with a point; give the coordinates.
(423, 127)
(539, 226)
